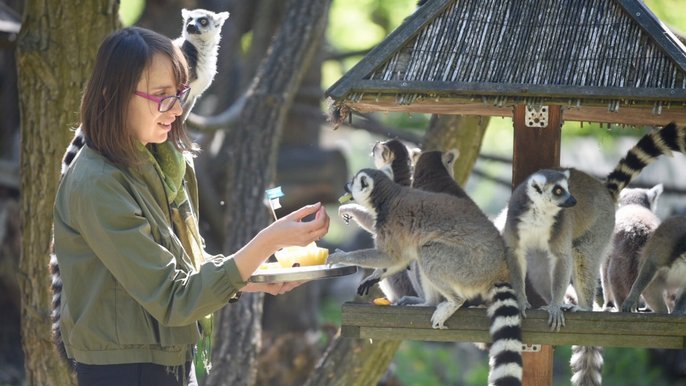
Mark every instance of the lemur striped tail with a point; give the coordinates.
(74, 146)
(506, 335)
(587, 365)
(649, 147)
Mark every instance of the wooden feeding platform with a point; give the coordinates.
(541, 63)
(586, 328)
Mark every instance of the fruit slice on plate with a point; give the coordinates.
(302, 256)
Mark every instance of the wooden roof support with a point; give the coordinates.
(536, 148)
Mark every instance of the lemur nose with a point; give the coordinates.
(191, 28)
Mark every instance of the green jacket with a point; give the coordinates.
(129, 292)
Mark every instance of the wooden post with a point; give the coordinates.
(536, 148)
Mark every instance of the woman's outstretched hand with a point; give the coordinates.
(290, 230)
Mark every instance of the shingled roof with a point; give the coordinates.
(461, 56)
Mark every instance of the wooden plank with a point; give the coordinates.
(471, 325)
(633, 115)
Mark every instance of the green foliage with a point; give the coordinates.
(670, 12)
(130, 11)
(424, 364)
(360, 25)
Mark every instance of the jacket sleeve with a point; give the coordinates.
(111, 222)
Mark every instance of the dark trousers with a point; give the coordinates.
(135, 374)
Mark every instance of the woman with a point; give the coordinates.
(135, 277)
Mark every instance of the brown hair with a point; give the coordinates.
(121, 60)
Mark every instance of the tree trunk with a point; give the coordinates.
(354, 362)
(464, 132)
(252, 159)
(52, 63)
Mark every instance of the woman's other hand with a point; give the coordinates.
(271, 288)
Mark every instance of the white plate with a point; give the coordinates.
(312, 272)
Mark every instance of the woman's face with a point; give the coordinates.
(147, 124)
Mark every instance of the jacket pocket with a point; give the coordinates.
(132, 323)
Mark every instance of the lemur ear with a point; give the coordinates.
(566, 173)
(222, 17)
(387, 170)
(450, 156)
(655, 192)
(185, 13)
(537, 181)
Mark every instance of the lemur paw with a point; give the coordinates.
(556, 318)
(338, 257)
(569, 307)
(345, 212)
(523, 306)
(630, 305)
(366, 284)
(444, 310)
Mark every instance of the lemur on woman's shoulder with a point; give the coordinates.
(199, 43)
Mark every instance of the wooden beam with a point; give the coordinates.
(586, 328)
(628, 114)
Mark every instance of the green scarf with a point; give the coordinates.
(170, 164)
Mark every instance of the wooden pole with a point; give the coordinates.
(536, 148)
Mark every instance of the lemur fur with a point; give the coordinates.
(394, 154)
(458, 250)
(541, 217)
(635, 221)
(663, 266)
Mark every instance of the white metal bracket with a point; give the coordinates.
(536, 116)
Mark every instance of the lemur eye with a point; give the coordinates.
(363, 182)
(203, 21)
(557, 191)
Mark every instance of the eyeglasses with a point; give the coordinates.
(165, 104)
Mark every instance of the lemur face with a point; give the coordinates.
(202, 22)
(550, 190)
(361, 188)
(381, 154)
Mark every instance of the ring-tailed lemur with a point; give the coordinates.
(635, 221)
(394, 154)
(663, 266)
(458, 250)
(542, 216)
(199, 43)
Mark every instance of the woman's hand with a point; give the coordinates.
(271, 288)
(290, 230)
(287, 231)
